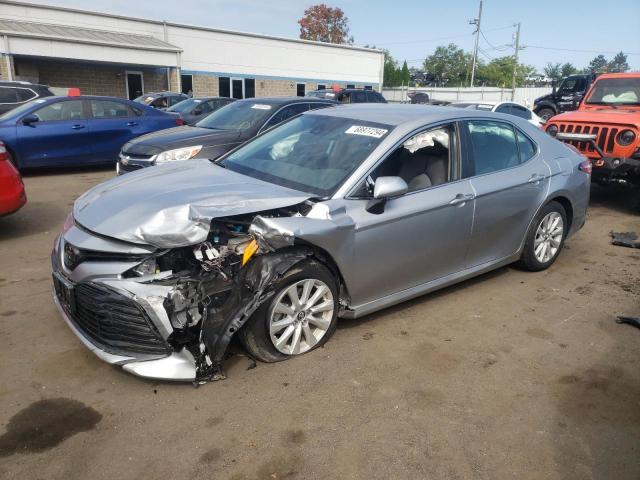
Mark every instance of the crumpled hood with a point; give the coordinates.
(172, 205)
(185, 136)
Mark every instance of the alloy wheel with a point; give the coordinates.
(300, 316)
(548, 237)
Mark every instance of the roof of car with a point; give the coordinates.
(14, 83)
(283, 100)
(151, 94)
(396, 114)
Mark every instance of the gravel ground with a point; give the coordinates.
(509, 375)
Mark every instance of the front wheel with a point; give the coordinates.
(545, 114)
(545, 238)
(300, 317)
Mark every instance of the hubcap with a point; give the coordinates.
(300, 316)
(548, 237)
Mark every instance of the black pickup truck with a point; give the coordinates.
(565, 98)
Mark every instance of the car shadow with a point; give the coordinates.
(623, 199)
(422, 299)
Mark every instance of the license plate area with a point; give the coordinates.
(65, 292)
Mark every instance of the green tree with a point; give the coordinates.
(449, 64)
(618, 64)
(405, 74)
(499, 73)
(567, 69)
(553, 71)
(599, 64)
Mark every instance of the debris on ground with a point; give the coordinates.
(625, 239)
(634, 321)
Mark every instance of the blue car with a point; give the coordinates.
(77, 130)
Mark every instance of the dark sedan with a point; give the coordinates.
(192, 110)
(215, 135)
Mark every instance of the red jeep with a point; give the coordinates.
(606, 128)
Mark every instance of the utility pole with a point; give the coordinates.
(476, 22)
(515, 63)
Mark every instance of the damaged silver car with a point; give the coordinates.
(336, 213)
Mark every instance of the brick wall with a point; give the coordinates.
(205, 85)
(92, 79)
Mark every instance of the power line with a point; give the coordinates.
(493, 47)
(579, 51)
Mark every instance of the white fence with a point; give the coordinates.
(525, 95)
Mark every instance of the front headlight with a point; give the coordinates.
(626, 137)
(178, 154)
(552, 130)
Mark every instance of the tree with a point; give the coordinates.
(618, 64)
(405, 74)
(499, 73)
(568, 69)
(553, 71)
(449, 65)
(325, 24)
(599, 64)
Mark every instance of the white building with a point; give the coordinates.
(105, 54)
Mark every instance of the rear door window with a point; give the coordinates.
(358, 97)
(109, 109)
(25, 94)
(526, 147)
(8, 95)
(504, 108)
(520, 111)
(493, 147)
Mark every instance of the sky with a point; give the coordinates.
(412, 29)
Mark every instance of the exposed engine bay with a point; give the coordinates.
(216, 285)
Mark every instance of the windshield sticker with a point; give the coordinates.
(367, 131)
(261, 106)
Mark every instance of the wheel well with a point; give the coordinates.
(568, 208)
(326, 259)
(16, 162)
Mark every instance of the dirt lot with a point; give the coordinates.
(510, 375)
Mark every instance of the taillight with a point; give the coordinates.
(180, 121)
(586, 166)
(3, 152)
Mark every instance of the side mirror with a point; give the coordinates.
(384, 189)
(29, 119)
(389, 187)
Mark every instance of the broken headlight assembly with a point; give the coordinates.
(178, 154)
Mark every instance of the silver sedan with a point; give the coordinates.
(336, 213)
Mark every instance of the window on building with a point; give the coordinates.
(109, 109)
(237, 88)
(322, 86)
(493, 146)
(224, 87)
(351, 86)
(301, 89)
(249, 88)
(368, 87)
(65, 110)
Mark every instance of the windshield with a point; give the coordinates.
(238, 116)
(22, 108)
(185, 105)
(311, 153)
(146, 99)
(615, 91)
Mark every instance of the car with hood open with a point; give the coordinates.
(606, 128)
(338, 212)
(216, 134)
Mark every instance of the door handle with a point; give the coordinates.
(462, 198)
(77, 127)
(536, 178)
(132, 124)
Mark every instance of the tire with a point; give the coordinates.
(535, 260)
(545, 113)
(260, 340)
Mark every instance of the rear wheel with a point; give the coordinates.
(545, 238)
(545, 113)
(300, 317)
